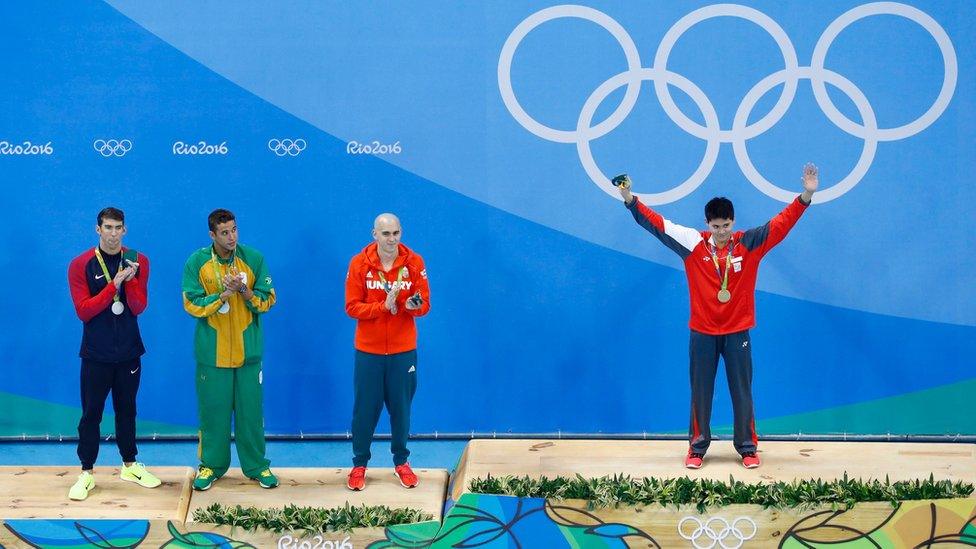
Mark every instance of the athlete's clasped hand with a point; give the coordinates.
(233, 282)
(134, 265)
(391, 297)
(122, 276)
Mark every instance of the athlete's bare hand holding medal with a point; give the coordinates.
(415, 301)
(622, 182)
(133, 268)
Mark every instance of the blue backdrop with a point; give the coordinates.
(490, 129)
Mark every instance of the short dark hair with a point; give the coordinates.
(219, 216)
(110, 213)
(719, 208)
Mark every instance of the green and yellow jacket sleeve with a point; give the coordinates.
(264, 294)
(196, 299)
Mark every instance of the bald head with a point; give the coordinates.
(386, 220)
(386, 232)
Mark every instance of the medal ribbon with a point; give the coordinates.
(216, 270)
(389, 287)
(728, 263)
(108, 278)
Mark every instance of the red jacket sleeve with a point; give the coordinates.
(86, 306)
(423, 286)
(137, 289)
(356, 305)
(775, 230)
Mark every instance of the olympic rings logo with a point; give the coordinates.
(741, 130)
(719, 534)
(282, 147)
(112, 147)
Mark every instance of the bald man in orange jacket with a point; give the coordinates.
(386, 289)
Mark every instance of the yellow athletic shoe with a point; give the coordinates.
(84, 484)
(137, 473)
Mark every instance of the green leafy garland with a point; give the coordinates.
(623, 490)
(309, 519)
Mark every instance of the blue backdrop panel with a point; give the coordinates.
(491, 130)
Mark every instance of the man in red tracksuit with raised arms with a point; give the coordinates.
(721, 266)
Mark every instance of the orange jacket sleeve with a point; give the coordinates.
(356, 305)
(423, 286)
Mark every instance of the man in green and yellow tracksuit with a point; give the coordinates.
(227, 287)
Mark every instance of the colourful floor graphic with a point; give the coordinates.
(114, 534)
(488, 521)
(912, 524)
(492, 522)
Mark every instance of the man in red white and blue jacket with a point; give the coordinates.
(721, 266)
(108, 285)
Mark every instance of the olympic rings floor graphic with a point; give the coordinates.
(741, 131)
(712, 536)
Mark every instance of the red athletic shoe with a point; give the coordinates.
(357, 479)
(406, 476)
(751, 460)
(693, 460)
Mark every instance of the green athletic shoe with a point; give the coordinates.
(137, 473)
(266, 479)
(84, 484)
(205, 479)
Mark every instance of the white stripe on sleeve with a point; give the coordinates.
(686, 236)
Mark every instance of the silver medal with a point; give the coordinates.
(118, 307)
(224, 308)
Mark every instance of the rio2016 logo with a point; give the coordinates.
(200, 148)
(26, 148)
(373, 147)
(317, 542)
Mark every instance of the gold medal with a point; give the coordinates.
(724, 295)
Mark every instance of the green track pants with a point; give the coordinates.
(223, 393)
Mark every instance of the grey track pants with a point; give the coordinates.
(736, 350)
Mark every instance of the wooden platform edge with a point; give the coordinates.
(456, 485)
(183, 507)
